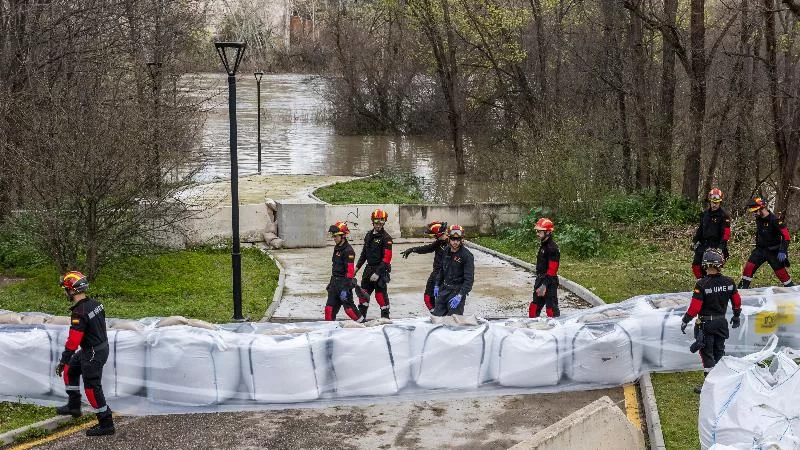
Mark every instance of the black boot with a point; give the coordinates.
(69, 410)
(362, 309)
(73, 406)
(104, 427)
(791, 283)
(384, 313)
(698, 388)
(744, 284)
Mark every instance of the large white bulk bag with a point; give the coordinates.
(759, 321)
(124, 372)
(604, 348)
(527, 356)
(664, 345)
(192, 366)
(743, 400)
(280, 369)
(452, 357)
(26, 361)
(368, 361)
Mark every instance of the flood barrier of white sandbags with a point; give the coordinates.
(177, 364)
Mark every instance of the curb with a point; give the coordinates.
(567, 284)
(278, 295)
(47, 424)
(654, 431)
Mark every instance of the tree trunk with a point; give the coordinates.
(744, 116)
(697, 102)
(664, 152)
(640, 88)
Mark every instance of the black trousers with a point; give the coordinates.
(430, 301)
(87, 363)
(379, 287)
(715, 333)
(548, 302)
(335, 302)
(442, 305)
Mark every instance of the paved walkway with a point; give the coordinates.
(253, 189)
(469, 423)
(500, 290)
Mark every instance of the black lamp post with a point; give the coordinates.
(258, 76)
(154, 69)
(231, 63)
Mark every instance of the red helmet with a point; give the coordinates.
(75, 281)
(455, 231)
(379, 216)
(544, 224)
(339, 228)
(715, 195)
(436, 229)
(755, 203)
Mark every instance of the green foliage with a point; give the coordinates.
(650, 207)
(17, 251)
(579, 240)
(386, 186)
(194, 283)
(15, 414)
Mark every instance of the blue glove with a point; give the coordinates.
(781, 256)
(436, 291)
(343, 295)
(455, 301)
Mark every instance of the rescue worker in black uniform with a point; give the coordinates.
(456, 276)
(714, 231)
(772, 245)
(709, 303)
(377, 253)
(436, 230)
(545, 288)
(340, 288)
(85, 354)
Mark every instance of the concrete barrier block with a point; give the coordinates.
(358, 218)
(302, 224)
(599, 425)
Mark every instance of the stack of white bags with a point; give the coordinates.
(176, 364)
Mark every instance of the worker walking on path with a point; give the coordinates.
(438, 247)
(545, 288)
(772, 245)
(456, 276)
(85, 354)
(709, 304)
(377, 253)
(343, 272)
(714, 231)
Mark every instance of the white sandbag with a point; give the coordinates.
(192, 366)
(34, 318)
(124, 372)
(371, 361)
(663, 343)
(743, 400)
(26, 361)
(759, 321)
(280, 369)
(8, 317)
(604, 351)
(452, 357)
(528, 358)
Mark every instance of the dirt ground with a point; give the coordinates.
(500, 289)
(471, 423)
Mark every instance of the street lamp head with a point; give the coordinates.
(154, 69)
(231, 62)
(258, 76)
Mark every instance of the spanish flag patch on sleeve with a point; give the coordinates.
(352, 256)
(75, 321)
(697, 291)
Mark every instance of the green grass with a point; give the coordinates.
(678, 407)
(192, 283)
(14, 415)
(385, 187)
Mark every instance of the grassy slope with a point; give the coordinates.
(381, 188)
(194, 283)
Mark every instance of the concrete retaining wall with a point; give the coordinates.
(599, 425)
(304, 224)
